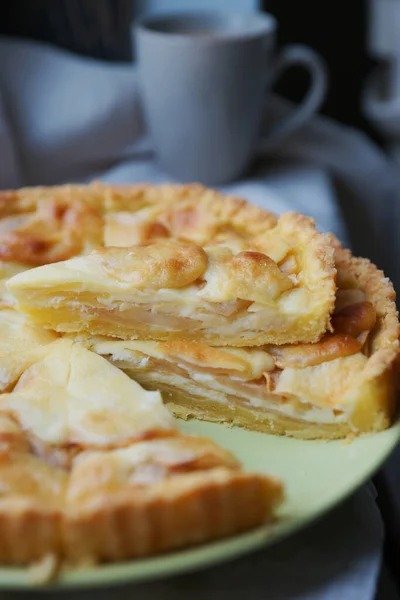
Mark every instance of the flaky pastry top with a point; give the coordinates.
(70, 396)
(43, 225)
(212, 273)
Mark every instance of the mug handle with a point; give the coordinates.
(305, 57)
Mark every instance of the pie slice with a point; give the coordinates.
(291, 261)
(343, 384)
(169, 289)
(93, 468)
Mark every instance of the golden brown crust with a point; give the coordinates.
(309, 355)
(154, 513)
(191, 212)
(361, 273)
(354, 319)
(207, 217)
(244, 415)
(31, 494)
(169, 290)
(187, 510)
(162, 264)
(375, 397)
(204, 215)
(317, 264)
(75, 486)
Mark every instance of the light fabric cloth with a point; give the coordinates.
(64, 118)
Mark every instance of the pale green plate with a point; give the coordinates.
(317, 476)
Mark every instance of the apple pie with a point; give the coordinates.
(234, 314)
(343, 384)
(171, 289)
(93, 468)
(228, 307)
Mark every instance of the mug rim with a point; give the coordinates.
(266, 24)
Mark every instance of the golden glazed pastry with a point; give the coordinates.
(93, 468)
(127, 215)
(346, 383)
(216, 222)
(268, 279)
(170, 290)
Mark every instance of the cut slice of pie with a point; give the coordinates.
(170, 290)
(48, 224)
(345, 383)
(93, 468)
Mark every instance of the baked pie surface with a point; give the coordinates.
(93, 468)
(170, 290)
(268, 279)
(345, 383)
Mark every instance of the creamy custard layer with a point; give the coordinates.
(224, 391)
(269, 391)
(122, 318)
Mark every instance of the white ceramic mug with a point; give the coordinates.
(204, 79)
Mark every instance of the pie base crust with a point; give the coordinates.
(202, 507)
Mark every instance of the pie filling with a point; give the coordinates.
(123, 317)
(305, 382)
(153, 374)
